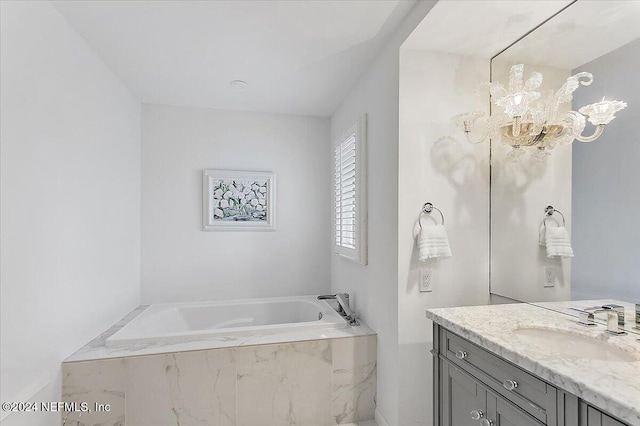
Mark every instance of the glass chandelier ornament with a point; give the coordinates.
(525, 120)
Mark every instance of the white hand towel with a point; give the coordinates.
(433, 242)
(558, 242)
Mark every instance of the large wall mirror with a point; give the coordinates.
(594, 187)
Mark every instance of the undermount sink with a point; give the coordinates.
(573, 345)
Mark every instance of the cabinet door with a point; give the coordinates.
(461, 394)
(504, 413)
(590, 416)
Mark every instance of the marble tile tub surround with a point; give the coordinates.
(311, 383)
(98, 349)
(613, 387)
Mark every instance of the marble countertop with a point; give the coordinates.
(613, 387)
(98, 349)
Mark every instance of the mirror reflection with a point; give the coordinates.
(585, 250)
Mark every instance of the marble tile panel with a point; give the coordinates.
(195, 388)
(95, 382)
(354, 379)
(285, 384)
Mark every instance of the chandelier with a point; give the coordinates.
(525, 120)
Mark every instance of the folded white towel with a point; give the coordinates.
(433, 242)
(558, 242)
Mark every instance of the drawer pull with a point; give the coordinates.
(510, 384)
(486, 422)
(461, 354)
(477, 414)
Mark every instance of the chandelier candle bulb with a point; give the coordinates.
(527, 122)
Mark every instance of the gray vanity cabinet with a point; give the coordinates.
(590, 416)
(461, 394)
(474, 387)
(465, 402)
(506, 414)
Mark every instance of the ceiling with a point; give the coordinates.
(298, 57)
(479, 28)
(583, 32)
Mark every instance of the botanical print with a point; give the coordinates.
(239, 200)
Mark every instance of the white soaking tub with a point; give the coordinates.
(183, 322)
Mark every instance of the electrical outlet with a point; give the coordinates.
(549, 277)
(426, 280)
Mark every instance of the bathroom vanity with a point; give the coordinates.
(521, 365)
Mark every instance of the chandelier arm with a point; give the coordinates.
(596, 134)
(481, 139)
(517, 126)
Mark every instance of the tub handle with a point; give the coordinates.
(343, 306)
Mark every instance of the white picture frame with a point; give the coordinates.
(235, 200)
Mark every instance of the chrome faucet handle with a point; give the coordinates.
(343, 306)
(326, 296)
(585, 317)
(614, 307)
(343, 301)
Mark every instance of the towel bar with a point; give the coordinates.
(427, 208)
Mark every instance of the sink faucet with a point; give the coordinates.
(343, 306)
(615, 318)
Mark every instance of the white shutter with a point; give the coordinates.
(348, 188)
(345, 185)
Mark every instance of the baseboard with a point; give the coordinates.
(381, 420)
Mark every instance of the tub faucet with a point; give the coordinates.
(638, 316)
(343, 306)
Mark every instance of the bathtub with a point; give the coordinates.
(183, 322)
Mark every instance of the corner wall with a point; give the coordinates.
(70, 196)
(373, 288)
(180, 262)
(438, 165)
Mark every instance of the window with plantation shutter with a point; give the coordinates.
(349, 193)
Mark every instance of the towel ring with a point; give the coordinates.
(427, 209)
(549, 211)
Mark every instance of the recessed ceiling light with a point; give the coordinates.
(238, 84)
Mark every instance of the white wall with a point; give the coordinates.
(70, 194)
(180, 262)
(373, 288)
(606, 194)
(437, 165)
(520, 191)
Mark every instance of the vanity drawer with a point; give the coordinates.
(523, 389)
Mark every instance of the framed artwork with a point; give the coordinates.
(238, 200)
